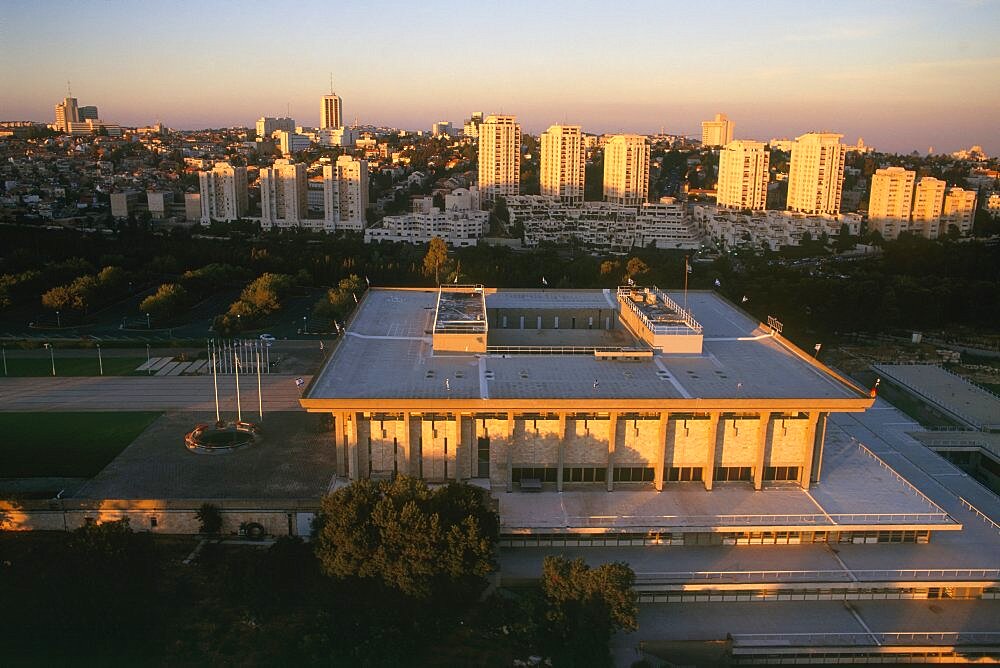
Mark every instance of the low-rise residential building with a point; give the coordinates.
(457, 227)
(736, 229)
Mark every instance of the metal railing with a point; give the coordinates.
(864, 638)
(973, 422)
(562, 350)
(838, 520)
(691, 326)
(978, 513)
(896, 475)
(867, 575)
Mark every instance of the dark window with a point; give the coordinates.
(633, 474)
(683, 474)
(733, 473)
(781, 473)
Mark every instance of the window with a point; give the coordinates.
(543, 473)
(733, 473)
(781, 473)
(683, 474)
(584, 474)
(152, 522)
(633, 474)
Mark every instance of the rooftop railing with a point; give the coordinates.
(824, 521)
(864, 575)
(563, 350)
(861, 638)
(625, 295)
(465, 325)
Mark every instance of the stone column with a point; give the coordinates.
(708, 474)
(661, 447)
(459, 446)
(758, 471)
(562, 452)
(404, 446)
(353, 471)
(612, 437)
(808, 445)
(510, 451)
(339, 459)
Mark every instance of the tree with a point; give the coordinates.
(418, 542)
(209, 518)
(168, 301)
(635, 266)
(436, 258)
(584, 607)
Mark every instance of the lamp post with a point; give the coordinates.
(5, 360)
(148, 326)
(148, 372)
(100, 361)
(303, 324)
(58, 320)
(52, 357)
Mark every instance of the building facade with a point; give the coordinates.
(563, 162)
(891, 201)
(626, 170)
(224, 193)
(959, 211)
(743, 175)
(266, 126)
(499, 157)
(816, 173)
(345, 194)
(928, 202)
(331, 112)
(284, 198)
(717, 132)
(67, 112)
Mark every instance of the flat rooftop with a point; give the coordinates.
(460, 309)
(974, 405)
(387, 353)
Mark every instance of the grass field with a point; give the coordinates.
(71, 445)
(72, 366)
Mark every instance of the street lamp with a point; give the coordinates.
(148, 372)
(58, 320)
(100, 361)
(303, 324)
(147, 322)
(52, 356)
(4, 360)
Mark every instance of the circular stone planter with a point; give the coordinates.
(221, 437)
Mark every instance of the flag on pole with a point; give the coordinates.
(818, 346)
(745, 299)
(718, 283)
(367, 282)
(630, 281)
(689, 267)
(355, 297)
(544, 282)
(299, 382)
(456, 278)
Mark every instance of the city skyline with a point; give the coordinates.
(902, 80)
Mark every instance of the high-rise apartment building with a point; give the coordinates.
(88, 112)
(626, 170)
(331, 111)
(563, 163)
(267, 125)
(891, 201)
(224, 195)
(718, 132)
(471, 126)
(284, 194)
(499, 157)
(928, 201)
(67, 112)
(743, 175)
(816, 174)
(345, 194)
(959, 210)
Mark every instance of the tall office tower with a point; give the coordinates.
(331, 111)
(345, 194)
(224, 194)
(67, 112)
(267, 125)
(441, 128)
(626, 170)
(959, 210)
(743, 175)
(563, 163)
(90, 112)
(471, 127)
(499, 157)
(816, 175)
(928, 201)
(718, 132)
(284, 194)
(891, 201)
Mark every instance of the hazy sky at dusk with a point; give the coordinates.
(904, 75)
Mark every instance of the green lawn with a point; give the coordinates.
(72, 445)
(72, 366)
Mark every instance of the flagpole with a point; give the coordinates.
(260, 397)
(685, 282)
(215, 383)
(236, 369)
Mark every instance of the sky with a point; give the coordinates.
(905, 75)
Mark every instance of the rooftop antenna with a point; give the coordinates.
(331, 83)
(69, 89)
(288, 110)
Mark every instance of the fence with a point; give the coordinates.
(869, 575)
(980, 514)
(865, 639)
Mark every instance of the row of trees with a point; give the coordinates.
(84, 292)
(259, 299)
(396, 576)
(171, 299)
(31, 282)
(338, 302)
